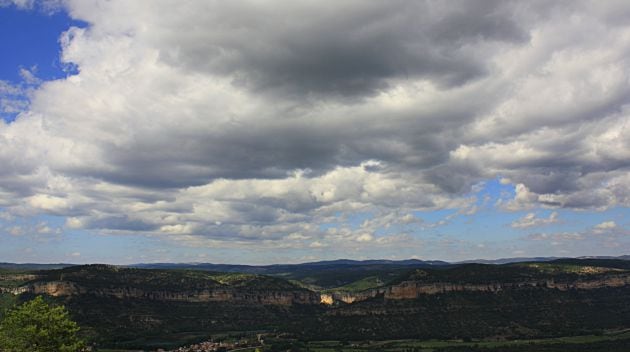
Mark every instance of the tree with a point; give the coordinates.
(38, 327)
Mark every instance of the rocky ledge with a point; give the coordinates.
(414, 289)
(244, 296)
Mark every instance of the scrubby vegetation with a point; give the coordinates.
(561, 270)
(154, 279)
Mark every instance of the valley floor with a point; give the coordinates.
(611, 341)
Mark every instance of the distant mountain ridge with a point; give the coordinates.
(315, 275)
(34, 266)
(517, 260)
(352, 262)
(262, 269)
(275, 267)
(536, 259)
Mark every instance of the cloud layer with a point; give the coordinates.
(235, 122)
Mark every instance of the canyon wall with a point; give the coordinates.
(403, 290)
(66, 288)
(413, 289)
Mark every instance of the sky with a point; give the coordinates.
(283, 132)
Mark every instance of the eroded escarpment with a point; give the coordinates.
(14, 290)
(199, 287)
(414, 289)
(18, 277)
(67, 288)
(403, 290)
(14, 283)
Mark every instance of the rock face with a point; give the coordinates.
(407, 289)
(404, 290)
(326, 298)
(14, 290)
(160, 285)
(18, 277)
(9, 283)
(66, 288)
(156, 285)
(413, 289)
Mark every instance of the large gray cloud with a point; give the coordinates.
(352, 49)
(245, 121)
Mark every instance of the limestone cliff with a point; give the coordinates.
(66, 288)
(197, 286)
(403, 290)
(413, 289)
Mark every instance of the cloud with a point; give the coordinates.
(44, 229)
(606, 227)
(317, 244)
(44, 6)
(556, 237)
(238, 123)
(21, 4)
(29, 75)
(13, 99)
(349, 50)
(603, 235)
(530, 220)
(30, 229)
(46, 202)
(364, 237)
(4, 216)
(15, 230)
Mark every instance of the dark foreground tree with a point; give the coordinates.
(38, 327)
